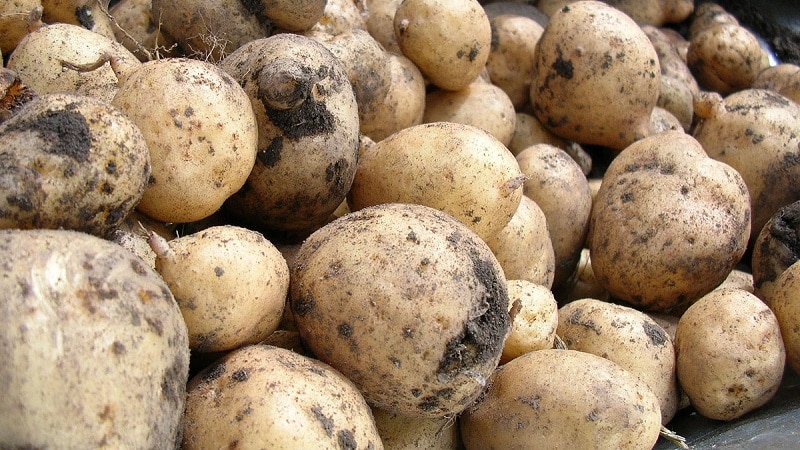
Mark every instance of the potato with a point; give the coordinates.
(557, 184)
(449, 40)
(785, 304)
(39, 61)
(293, 15)
(308, 134)
(523, 247)
(230, 283)
(730, 356)
(756, 132)
(776, 248)
(583, 283)
(260, 396)
(707, 15)
(510, 62)
(89, 14)
(529, 131)
(655, 12)
(202, 136)
(70, 161)
(534, 321)
(596, 76)
(405, 301)
(481, 104)
(725, 58)
(340, 16)
(380, 23)
(403, 432)
(659, 258)
(562, 399)
(628, 337)
(95, 352)
(140, 32)
(456, 168)
(14, 18)
(662, 120)
(678, 85)
(781, 78)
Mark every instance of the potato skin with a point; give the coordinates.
(562, 399)
(407, 302)
(785, 305)
(95, 352)
(71, 161)
(776, 248)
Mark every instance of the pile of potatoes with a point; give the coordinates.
(392, 224)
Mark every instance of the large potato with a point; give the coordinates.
(407, 302)
(95, 351)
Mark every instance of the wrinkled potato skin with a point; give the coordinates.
(706, 204)
(776, 248)
(535, 323)
(730, 355)
(307, 404)
(95, 352)
(785, 305)
(405, 301)
(70, 161)
(628, 337)
(562, 399)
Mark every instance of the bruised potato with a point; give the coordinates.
(407, 302)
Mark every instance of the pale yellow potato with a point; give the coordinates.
(95, 352)
(535, 321)
(662, 120)
(230, 283)
(14, 22)
(707, 15)
(202, 137)
(407, 302)
(738, 279)
(294, 15)
(562, 399)
(782, 78)
(774, 250)
(449, 40)
(261, 396)
(456, 168)
(524, 247)
(88, 14)
(380, 23)
(340, 16)
(557, 184)
(140, 32)
(596, 76)
(510, 62)
(481, 104)
(399, 432)
(659, 258)
(725, 58)
(785, 305)
(529, 131)
(730, 354)
(655, 12)
(628, 337)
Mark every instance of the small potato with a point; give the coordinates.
(261, 396)
(529, 131)
(510, 62)
(140, 32)
(562, 399)
(407, 302)
(534, 325)
(785, 305)
(725, 58)
(655, 12)
(449, 40)
(730, 355)
(339, 16)
(380, 23)
(230, 283)
(14, 22)
(399, 432)
(628, 337)
(776, 248)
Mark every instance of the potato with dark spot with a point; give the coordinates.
(260, 396)
(776, 248)
(668, 223)
(88, 14)
(95, 351)
(405, 301)
(70, 161)
(308, 134)
(562, 399)
(14, 22)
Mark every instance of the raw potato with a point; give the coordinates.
(294, 15)
(785, 304)
(776, 248)
(399, 432)
(70, 161)
(725, 58)
(534, 325)
(456, 168)
(782, 78)
(340, 16)
(95, 352)
(557, 184)
(628, 337)
(405, 301)
(523, 247)
(562, 399)
(308, 134)
(510, 62)
(380, 23)
(596, 76)
(657, 258)
(88, 14)
(39, 57)
(268, 397)
(202, 136)
(449, 40)
(230, 283)
(756, 132)
(583, 283)
(14, 22)
(140, 32)
(655, 12)
(730, 355)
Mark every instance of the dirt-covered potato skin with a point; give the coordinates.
(70, 161)
(562, 399)
(95, 352)
(776, 248)
(405, 301)
(785, 304)
(260, 396)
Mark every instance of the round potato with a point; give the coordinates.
(785, 305)
(261, 396)
(95, 351)
(407, 302)
(729, 352)
(562, 399)
(725, 58)
(534, 321)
